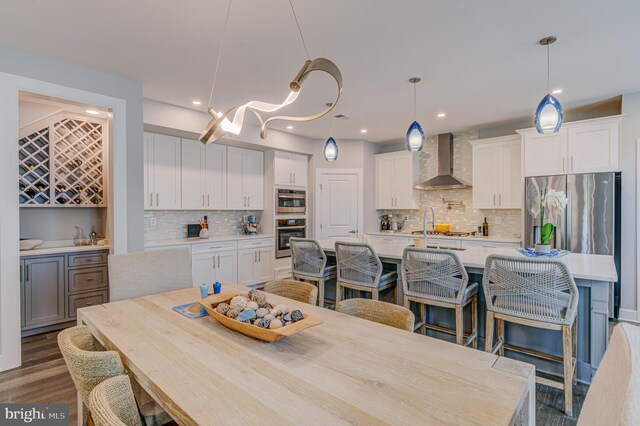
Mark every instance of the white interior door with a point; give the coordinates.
(339, 204)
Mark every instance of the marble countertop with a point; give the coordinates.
(583, 266)
(445, 237)
(60, 250)
(196, 240)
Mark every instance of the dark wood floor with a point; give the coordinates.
(44, 378)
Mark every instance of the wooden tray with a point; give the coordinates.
(265, 334)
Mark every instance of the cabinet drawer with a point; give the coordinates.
(443, 243)
(86, 259)
(78, 301)
(86, 279)
(257, 243)
(213, 247)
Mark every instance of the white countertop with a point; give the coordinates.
(196, 240)
(408, 234)
(583, 266)
(60, 250)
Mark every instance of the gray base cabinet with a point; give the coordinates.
(54, 287)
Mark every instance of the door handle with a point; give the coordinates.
(88, 279)
(157, 199)
(244, 203)
(203, 200)
(294, 178)
(572, 163)
(26, 273)
(494, 199)
(89, 303)
(249, 202)
(260, 253)
(255, 256)
(290, 177)
(151, 198)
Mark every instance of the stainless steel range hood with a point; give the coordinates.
(445, 178)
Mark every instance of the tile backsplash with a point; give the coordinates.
(172, 224)
(465, 217)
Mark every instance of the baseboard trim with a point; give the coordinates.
(628, 315)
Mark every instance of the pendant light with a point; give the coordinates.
(415, 136)
(549, 114)
(330, 146)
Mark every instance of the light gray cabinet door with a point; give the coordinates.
(44, 296)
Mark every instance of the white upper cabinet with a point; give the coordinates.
(497, 176)
(589, 146)
(204, 177)
(290, 169)
(162, 176)
(396, 175)
(245, 188)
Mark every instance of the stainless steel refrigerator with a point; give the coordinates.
(591, 221)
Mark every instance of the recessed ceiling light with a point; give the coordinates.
(290, 127)
(196, 102)
(556, 91)
(363, 130)
(441, 115)
(92, 111)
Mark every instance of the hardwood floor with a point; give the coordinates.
(43, 376)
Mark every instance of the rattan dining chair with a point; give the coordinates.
(378, 311)
(89, 364)
(614, 395)
(141, 274)
(433, 277)
(360, 268)
(112, 403)
(535, 293)
(309, 263)
(296, 290)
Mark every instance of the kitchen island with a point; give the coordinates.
(593, 274)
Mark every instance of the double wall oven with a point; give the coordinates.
(285, 229)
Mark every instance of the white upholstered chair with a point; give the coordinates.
(141, 274)
(614, 395)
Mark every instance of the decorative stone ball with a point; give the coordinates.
(251, 305)
(274, 312)
(261, 312)
(264, 323)
(244, 294)
(246, 316)
(239, 302)
(267, 305)
(296, 315)
(269, 317)
(233, 312)
(276, 323)
(287, 323)
(282, 308)
(259, 297)
(256, 321)
(222, 308)
(287, 317)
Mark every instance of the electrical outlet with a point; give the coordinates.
(498, 220)
(152, 221)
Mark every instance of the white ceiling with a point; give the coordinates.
(479, 60)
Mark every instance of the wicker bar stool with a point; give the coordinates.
(112, 403)
(359, 268)
(378, 311)
(309, 263)
(535, 293)
(432, 277)
(296, 290)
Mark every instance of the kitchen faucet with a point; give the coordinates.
(424, 222)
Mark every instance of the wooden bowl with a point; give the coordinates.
(265, 334)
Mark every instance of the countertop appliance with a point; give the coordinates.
(291, 201)
(384, 223)
(251, 225)
(590, 223)
(285, 229)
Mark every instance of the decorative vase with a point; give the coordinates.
(204, 233)
(543, 248)
(79, 239)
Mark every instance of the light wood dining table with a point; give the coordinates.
(344, 371)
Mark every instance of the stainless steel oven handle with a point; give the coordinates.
(290, 227)
(296, 196)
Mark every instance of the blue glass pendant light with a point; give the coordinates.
(549, 114)
(330, 146)
(415, 135)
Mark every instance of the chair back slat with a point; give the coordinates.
(433, 274)
(307, 257)
(358, 263)
(535, 289)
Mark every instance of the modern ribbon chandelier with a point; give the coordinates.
(230, 122)
(549, 114)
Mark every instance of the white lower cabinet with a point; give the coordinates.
(256, 260)
(214, 262)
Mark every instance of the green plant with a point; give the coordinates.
(545, 233)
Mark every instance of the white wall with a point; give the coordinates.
(629, 277)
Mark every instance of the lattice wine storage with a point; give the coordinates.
(62, 164)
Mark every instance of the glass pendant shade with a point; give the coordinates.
(330, 150)
(549, 115)
(415, 137)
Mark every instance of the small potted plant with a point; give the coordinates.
(554, 200)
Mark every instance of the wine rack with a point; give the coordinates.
(62, 163)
